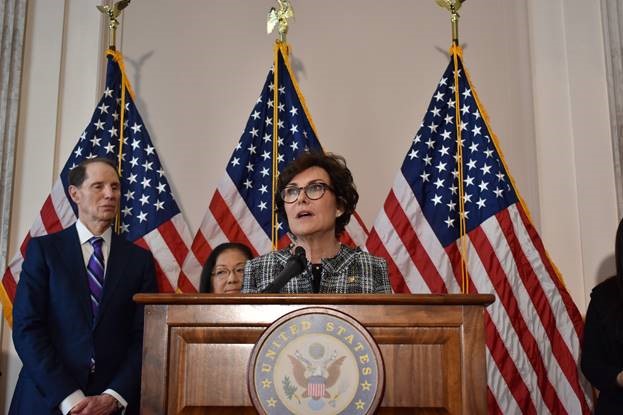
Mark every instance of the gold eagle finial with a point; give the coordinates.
(452, 6)
(280, 16)
(112, 12)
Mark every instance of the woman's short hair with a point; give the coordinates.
(205, 285)
(341, 182)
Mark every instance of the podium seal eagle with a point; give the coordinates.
(316, 361)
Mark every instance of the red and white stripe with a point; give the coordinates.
(401, 224)
(356, 232)
(316, 390)
(533, 328)
(168, 244)
(228, 218)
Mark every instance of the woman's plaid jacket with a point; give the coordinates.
(350, 271)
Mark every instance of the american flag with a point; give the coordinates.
(241, 208)
(150, 216)
(533, 329)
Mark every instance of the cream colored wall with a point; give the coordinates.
(367, 70)
(577, 197)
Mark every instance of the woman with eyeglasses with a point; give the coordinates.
(316, 196)
(222, 272)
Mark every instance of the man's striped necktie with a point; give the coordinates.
(95, 271)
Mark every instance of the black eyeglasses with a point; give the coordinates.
(313, 191)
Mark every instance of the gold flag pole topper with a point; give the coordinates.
(112, 12)
(280, 16)
(453, 7)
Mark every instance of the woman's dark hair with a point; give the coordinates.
(205, 286)
(341, 182)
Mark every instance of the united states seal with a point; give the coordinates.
(316, 361)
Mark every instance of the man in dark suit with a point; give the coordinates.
(75, 326)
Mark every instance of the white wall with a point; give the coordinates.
(367, 71)
(574, 151)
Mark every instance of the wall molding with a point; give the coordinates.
(612, 18)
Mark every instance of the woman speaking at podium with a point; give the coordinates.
(317, 195)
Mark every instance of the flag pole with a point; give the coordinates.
(277, 17)
(113, 12)
(274, 228)
(459, 163)
(453, 7)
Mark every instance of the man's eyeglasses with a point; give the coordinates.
(224, 273)
(313, 191)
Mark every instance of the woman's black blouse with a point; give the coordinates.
(602, 354)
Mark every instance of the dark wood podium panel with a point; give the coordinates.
(197, 347)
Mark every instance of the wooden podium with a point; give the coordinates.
(197, 346)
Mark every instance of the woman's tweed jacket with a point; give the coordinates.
(350, 271)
